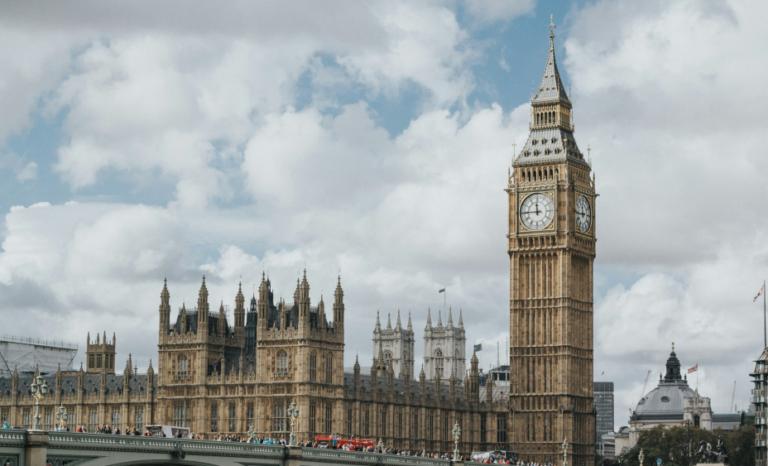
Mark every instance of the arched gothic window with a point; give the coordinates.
(281, 364)
(438, 362)
(182, 370)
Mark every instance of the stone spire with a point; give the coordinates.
(551, 139)
(389, 321)
(450, 317)
(461, 318)
(398, 325)
(338, 306)
(429, 318)
(377, 328)
(239, 307)
(439, 317)
(165, 309)
(410, 324)
(551, 88)
(202, 309)
(202, 296)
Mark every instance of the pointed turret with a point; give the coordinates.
(439, 318)
(165, 309)
(239, 309)
(377, 327)
(410, 323)
(398, 325)
(450, 317)
(389, 321)
(429, 318)
(222, 320)
(338, 305)
(128, 366)
(461, 319)
(202, 309)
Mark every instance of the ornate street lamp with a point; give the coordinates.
(293, 413)
(39, 389)
(61, 418)
(564, 449)
(456, 436)
(251, 434)
(641, 457)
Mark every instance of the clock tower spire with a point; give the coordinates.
(551, 253)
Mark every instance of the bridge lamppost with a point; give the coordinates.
(564, 449)
(456, 436)
(39, 389)
(641, 457)
(251, 434)
(293, 413)
(61, 418)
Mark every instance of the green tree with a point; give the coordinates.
(678, 446)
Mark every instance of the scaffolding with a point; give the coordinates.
(28, 354)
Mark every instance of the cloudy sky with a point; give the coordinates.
(373, 139)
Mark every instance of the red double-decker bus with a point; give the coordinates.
(336, 441)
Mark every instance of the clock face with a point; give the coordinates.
(537, 211)
(583, 213)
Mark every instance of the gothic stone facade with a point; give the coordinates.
(551, 253)
(218, 378)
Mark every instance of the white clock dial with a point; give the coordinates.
(583, 213)
(537, 211)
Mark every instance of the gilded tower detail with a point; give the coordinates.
(551, 252)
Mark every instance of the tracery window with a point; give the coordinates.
(180, 413)
(501, 429)
(438, 363)
(232, 417)
(328, 417)
(281, 364)
(138, 418)
(182, 368)
(279, 416)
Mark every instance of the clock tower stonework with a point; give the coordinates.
(551, 253)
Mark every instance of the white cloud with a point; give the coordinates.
(488, 11)
(661, 92)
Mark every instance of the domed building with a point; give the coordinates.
(672, 403)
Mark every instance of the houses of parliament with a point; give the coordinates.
(218, 376)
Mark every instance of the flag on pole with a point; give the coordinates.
(478, 347)
(693, 368)
(759, 292)
(442, 290)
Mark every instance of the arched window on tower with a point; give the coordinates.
(438, 356)
(182, 369)
(281, 364)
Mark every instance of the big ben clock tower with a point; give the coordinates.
(551, 253)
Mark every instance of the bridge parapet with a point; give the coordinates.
(22, 448)
(80, 441)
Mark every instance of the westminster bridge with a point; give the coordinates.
(24, 448)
